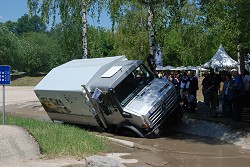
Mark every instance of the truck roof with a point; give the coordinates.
(114, 75)
(71, 75)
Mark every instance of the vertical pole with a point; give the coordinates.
(3, 102)
(241, 59)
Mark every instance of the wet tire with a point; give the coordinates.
(177, 115)
(128, 133)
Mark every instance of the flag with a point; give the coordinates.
(158, 56)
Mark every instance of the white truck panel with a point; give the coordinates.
(70, 76)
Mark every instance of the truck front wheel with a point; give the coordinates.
(129, 131)
(177, 115)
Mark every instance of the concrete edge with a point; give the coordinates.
(131, 144)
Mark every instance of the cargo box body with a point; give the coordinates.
(61, 93)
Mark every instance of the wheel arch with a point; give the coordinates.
(131, 127)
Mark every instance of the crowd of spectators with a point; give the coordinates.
(235, 94)
(186, 84)
(235, 91)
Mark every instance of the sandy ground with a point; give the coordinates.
(17, 94)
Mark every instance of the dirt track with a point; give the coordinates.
(18, 94)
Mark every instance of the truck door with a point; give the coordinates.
(111, 111)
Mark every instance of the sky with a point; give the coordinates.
(14, 9)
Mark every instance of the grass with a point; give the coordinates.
(26, 81)
(57, 139)
(61, 140)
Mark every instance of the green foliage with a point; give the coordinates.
(68, 38)
(39, 52)
(131, 37)
(71, 13)
(189, 32)
(57, 140)
(28, 23)
(8, 47)
(101, 42)
(228, 21)
(11, 26)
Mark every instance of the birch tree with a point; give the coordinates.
(152, 6)
(71, 11)
(154, 9)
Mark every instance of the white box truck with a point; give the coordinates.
(111, 93)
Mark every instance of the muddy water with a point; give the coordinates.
(189, 151)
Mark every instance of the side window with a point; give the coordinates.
(107, 105)
(105, 99)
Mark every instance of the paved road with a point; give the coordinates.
(17, 94)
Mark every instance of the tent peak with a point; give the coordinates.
(221, 60)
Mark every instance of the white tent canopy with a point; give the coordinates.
(221, 60)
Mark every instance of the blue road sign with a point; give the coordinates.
(4, 75)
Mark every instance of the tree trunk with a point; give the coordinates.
(151, 31)
(84, 31)
(241, 60)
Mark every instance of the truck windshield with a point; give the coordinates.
(133, 84)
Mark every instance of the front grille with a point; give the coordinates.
(163, 107)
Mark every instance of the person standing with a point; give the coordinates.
(205, 85)
(237, 88)
(165, 76)
(227, 97)
(211, 90)
(193, 86)
(183, 85)
(246, 80)
(174, 81)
